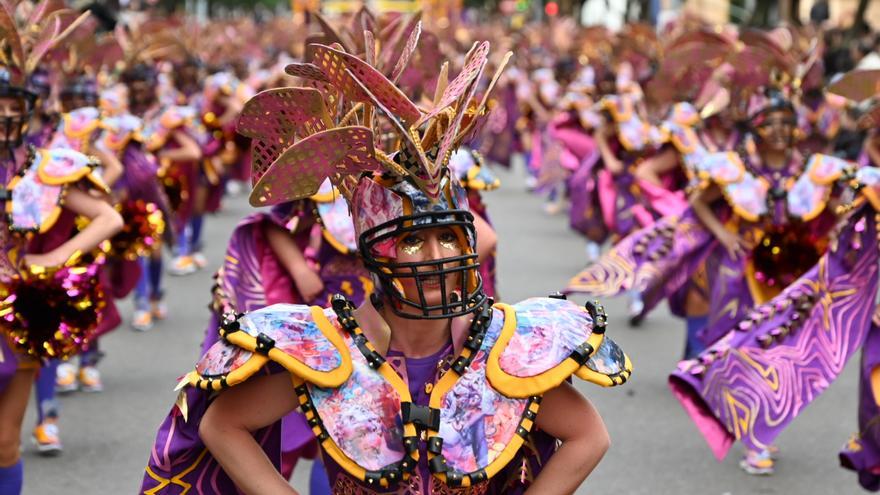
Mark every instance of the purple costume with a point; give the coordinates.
(862, 452)
(755, 380)
(783, 213)
(357, 403)
(252, 277)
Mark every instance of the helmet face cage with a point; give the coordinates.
(80, 92)
(15, 126)
(469, 295)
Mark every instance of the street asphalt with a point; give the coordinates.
(655, 447)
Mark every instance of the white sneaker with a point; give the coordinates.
(594, 251)
(199, 259)
(90, 379)
(65, 378)
(142, 320)
(757, 463)
(234, 188)
(46, 438)
(182, 265)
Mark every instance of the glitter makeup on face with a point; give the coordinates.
(412, 245)
(448, 241)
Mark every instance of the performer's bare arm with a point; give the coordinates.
(611, 162)
(700, 201)
(112, 166)
(228, 425)
(652, 169)
(308, 283)
(104, 222)
(569, 417)
(188, 151)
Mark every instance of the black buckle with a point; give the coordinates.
(581, 354)
(597, 313)
(423, 417)
(264, 344)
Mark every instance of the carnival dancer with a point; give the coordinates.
(783, 354)
(78, 129)
(40, 130)
(300, 252)
(52, 308)
(218, 108)
(751, 258)
(165, 135)
(775, 210)
(378, 389)
(861, 452)
(819, 112)
(568, 141)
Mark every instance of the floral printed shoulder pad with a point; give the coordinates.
(480, 410)
(36, 193)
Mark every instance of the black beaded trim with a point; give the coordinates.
(264, 344)
(207, 383)
(581, 354)
(475, 338)
(435, 445)
(229, 324)
(374, 359)
(597, 313)
(343, 309)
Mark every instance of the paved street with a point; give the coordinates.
(655, 448)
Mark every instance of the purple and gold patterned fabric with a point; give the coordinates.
(755, 380)
(861, 453)
(656, 261)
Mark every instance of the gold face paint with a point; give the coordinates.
(412, 245)
(448, 241)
